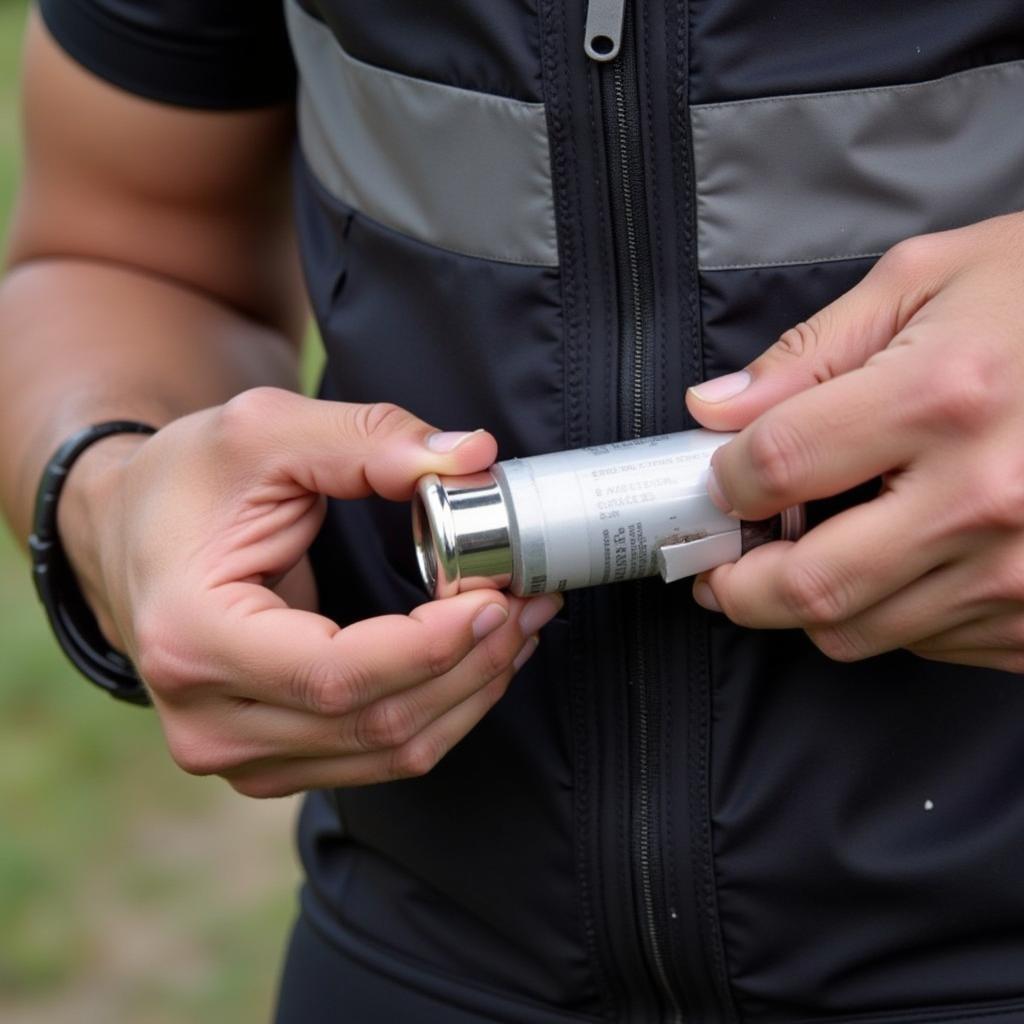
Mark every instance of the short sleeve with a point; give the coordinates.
(208, 54)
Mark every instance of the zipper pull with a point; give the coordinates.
(604, 29)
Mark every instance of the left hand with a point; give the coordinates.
(916, 376)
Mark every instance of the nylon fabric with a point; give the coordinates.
(744, 49)
(880, 903)
(845, 175)
(462, 170)
(478, 44)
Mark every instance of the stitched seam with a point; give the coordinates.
(698, 726)
(605, 265)
(623, 803)
(700, 682)
(721, 957)
(584, 436)
(677, 101)
(587, 348)
(663, 854)
(659, 257)
(609, 332)
(362, 67)
(923, 1016)
(665, 703)
(1002, 70)
(552, 29)
(793, 263)
(814, 97)
(489, 257)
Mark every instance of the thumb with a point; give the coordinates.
(840, 337)
(351, 450)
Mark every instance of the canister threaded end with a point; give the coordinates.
(793, 523)
(461, 532)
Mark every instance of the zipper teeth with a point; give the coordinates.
(644, 815)
(637, 424)
(632, 251)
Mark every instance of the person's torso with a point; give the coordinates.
(667, 818)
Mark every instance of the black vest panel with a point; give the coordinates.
(667, 818)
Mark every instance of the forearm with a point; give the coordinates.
(86, 341)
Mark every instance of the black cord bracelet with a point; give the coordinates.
(70, 616)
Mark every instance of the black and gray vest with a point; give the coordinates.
(668, 818)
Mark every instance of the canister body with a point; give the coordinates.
(583, 518)
(599, 515)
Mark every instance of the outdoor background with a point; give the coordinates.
(129, 892)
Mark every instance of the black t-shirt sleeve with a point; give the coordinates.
(209, 54)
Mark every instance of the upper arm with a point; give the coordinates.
(196, 196)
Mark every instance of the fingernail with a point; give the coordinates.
(705, 596)
(720, 389)
(525, 653)
(715, 493)
(491, 618)
(539, 612)
(445, 441)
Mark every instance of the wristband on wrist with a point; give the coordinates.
(70, 616)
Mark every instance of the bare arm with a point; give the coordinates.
(151, 266)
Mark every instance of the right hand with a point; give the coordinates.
(187, 543)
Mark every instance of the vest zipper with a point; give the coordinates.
(610, 41)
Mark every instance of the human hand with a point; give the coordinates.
(916, 376)
(187, 545)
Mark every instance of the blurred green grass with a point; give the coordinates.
(128, 891)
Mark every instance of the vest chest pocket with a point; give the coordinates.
(463, 170)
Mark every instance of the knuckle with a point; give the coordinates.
(330, 690)
(386, 724)
(497, 688)
(738, 608)
(338, 696)
(812, 594)
(497, 656)
(416, 758)
(961, 394)
(800, 341)
(249, 411)
(441, 654)
(379, 418)
(1009, 636)
(908, 258)
(997, 500)
(964, 400)
(164, 659)
(1008, 583)
(197, 754)
(838, 644)
(739, 602)
(778, 457)
(157, 666)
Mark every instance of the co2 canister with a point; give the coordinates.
(582, 518)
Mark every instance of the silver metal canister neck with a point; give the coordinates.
(461, 531)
